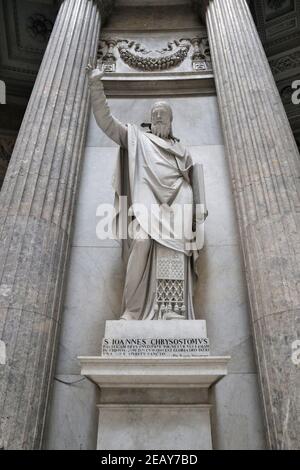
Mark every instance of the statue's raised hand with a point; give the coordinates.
(93, 71)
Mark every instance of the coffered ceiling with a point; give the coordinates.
(25, 27)
(278, 24)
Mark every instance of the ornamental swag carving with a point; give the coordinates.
(138, 57)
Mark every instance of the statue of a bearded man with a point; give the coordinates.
(166, 206)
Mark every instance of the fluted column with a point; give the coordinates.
(264, 165)
(36, 209)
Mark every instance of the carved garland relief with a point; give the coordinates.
(138, 57)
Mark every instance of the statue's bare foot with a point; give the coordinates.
(173, 316)
(127, 316)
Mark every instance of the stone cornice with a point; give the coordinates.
(106, 6)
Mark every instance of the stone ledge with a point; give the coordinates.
(151, 83)
(172, 406)
(120, 372)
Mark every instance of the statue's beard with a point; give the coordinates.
(161, 130)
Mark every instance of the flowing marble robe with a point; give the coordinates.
(154, 172)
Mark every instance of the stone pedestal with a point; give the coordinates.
(154, 426)
(154, 401)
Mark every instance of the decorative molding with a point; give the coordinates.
(286, 63)
(19, 70)
(201, 57)
(276, 30)
(109, 59)
(21, 53)
(282, 27)
(39, 27)
(280, 35)
(286, 94)
(283, 39)
(18, 20)
(275, 8)
(138, 57)
(151, 84)
(275, 4)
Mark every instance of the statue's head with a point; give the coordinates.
(161, 119)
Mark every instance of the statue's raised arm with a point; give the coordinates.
(112, 127)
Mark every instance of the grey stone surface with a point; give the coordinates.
(94, 190)
(236, 406)
(154, 372)
(37, 201)
(265, 168)
(161, 329)
(160, 427)
(94, 295)
(154, 395)
(221, 227)
(73, 410)
(197, 112)
(154, 403)
(222, 299)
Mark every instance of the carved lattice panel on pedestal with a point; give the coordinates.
(170, 279)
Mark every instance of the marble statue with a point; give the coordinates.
(161, 184)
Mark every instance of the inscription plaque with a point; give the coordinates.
(160, 347)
